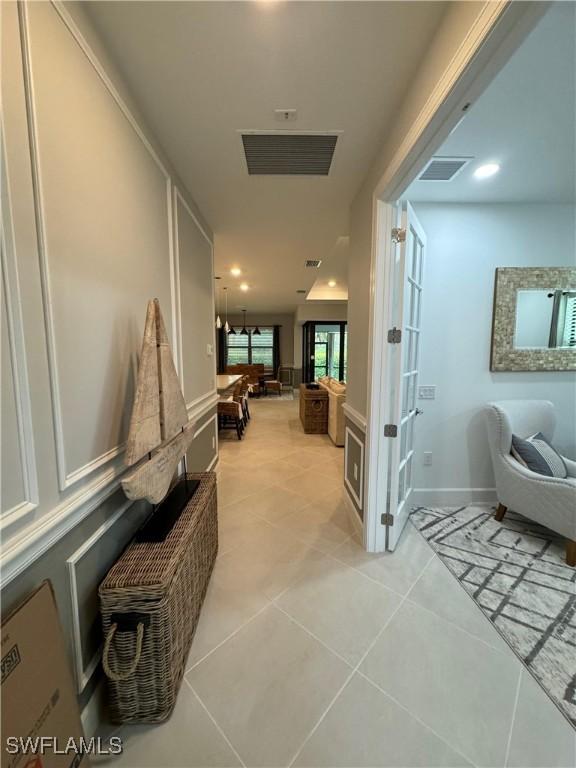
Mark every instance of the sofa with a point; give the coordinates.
(336, 399)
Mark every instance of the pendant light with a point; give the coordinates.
(227, 327)
(256, 332)
(244, 331)
(218, 321)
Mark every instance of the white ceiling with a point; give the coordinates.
(525, 120)
(202, 71)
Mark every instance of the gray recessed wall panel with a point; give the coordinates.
(354, 469)
(203, 450)
(12, 486)
(196, 302)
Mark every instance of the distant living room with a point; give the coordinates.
(274, 357)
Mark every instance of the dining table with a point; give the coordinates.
(226, 382)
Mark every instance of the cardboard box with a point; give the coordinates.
(38, 698)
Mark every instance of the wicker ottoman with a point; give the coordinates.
(314, 410)
(150, 603)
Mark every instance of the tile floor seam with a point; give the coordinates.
(350, 676)
(419, 719)
(229, 637)
(357, 570)
(309, 632)
(513, 719)
(297, 538)
(216, 724)
(462, 629)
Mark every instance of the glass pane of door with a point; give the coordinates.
(403, 363)
(320, 355)
(324, 350)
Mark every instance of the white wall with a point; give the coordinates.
(436, 60)
(465, 245)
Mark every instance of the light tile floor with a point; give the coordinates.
(311, 652)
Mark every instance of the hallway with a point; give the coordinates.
(311, 652)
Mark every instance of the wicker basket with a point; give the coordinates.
(150, 602)
(314, 410)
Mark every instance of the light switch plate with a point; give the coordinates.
(209, 350)
(427, 392)
(427, 458)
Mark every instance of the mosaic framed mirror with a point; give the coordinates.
(534, 319)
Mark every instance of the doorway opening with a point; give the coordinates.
(324, 350)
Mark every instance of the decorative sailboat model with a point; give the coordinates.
(160, 433)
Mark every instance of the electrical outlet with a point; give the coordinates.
(355, 471)
(427, 392)
(427, 458)
(285, 115)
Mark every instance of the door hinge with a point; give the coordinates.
(390, 430)
(398, 235)
(387, 519)
(394, 336)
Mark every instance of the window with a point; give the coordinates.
(251, 349)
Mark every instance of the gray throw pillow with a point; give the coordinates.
(537, 454)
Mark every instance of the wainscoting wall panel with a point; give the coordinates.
(19, 487)
(354, 463)
(203, 453)
(354, 457)
(94, 226)
(85, 235)
(87, 567)
(194, 259)
(13, 490)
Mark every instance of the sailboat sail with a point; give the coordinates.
(173, 413)
(159, 424)
(145, 434)
(152, 480)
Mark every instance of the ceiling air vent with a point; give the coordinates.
(312, 263)
(289, 154)
(443, 168)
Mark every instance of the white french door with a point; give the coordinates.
(404, 343)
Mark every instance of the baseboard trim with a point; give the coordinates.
(93, 716)
(451, 497)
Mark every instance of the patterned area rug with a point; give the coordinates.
(515, 571)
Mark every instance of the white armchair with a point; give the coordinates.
(550, 501)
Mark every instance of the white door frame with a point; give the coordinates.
(498, 30)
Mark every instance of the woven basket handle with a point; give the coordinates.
(117, 676)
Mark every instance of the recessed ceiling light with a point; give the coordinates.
(332, 283)
(485, 171)
(244, 286)
(236, 271)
